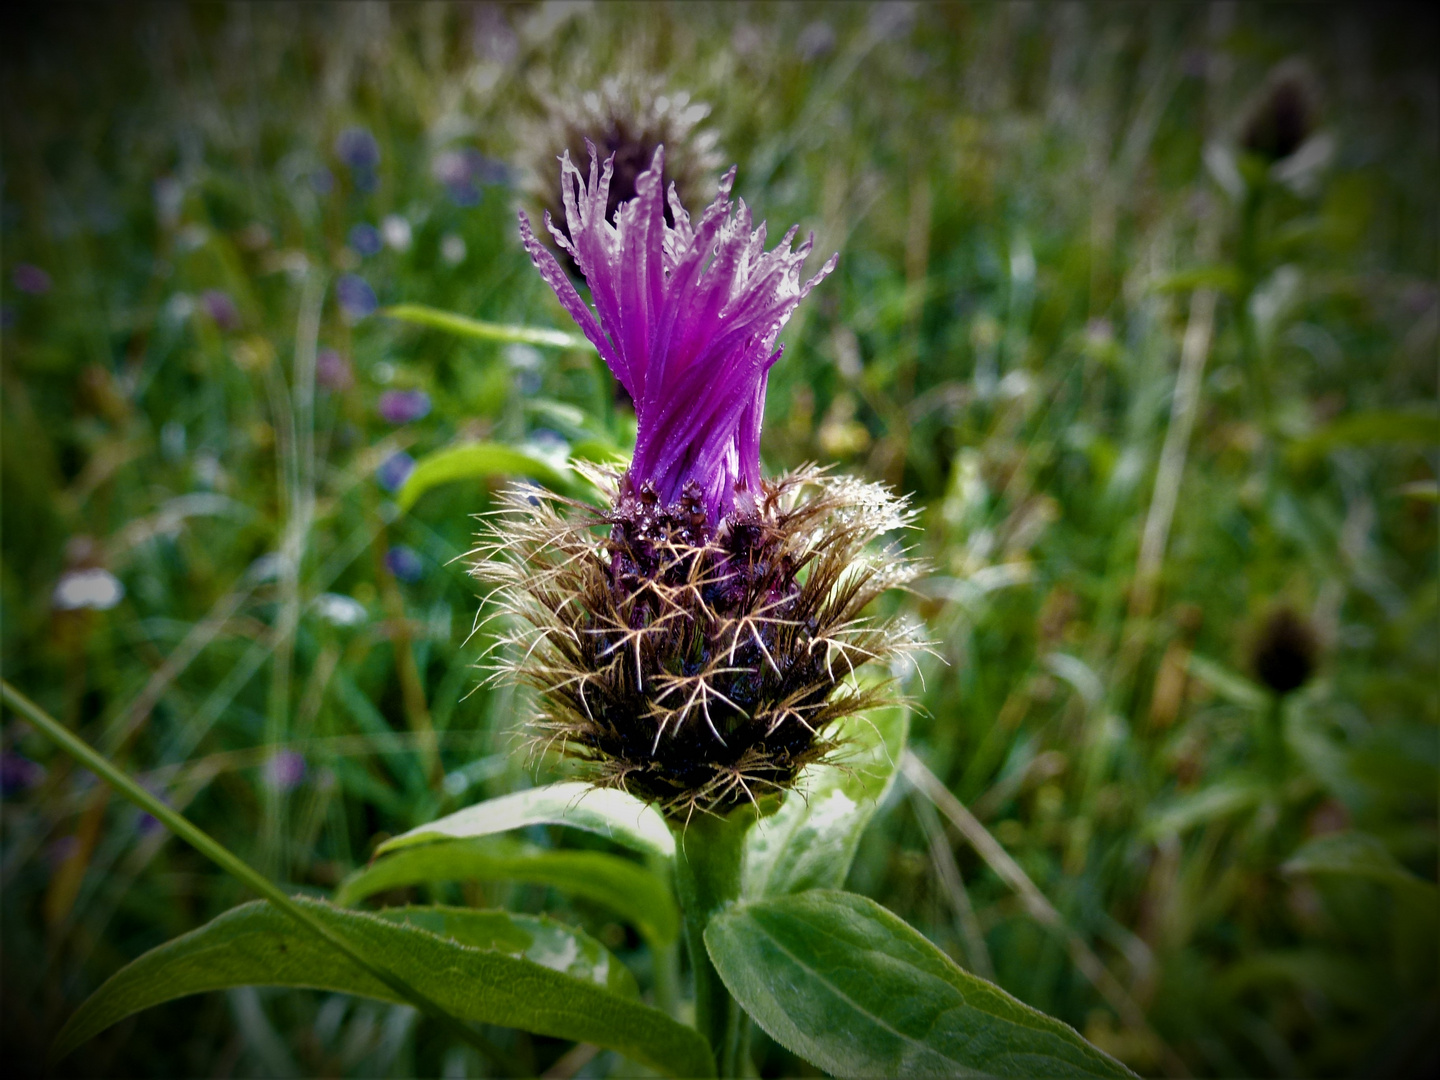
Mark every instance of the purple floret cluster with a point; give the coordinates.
(686, 316)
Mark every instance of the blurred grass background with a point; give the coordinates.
(1158, 365)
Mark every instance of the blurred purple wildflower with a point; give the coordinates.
(817, 40)
(365, 240)
(221, 309)
(148, 823)
(332, 371)
(403, 406)
(405, 563)
(356, 147)
(18, 773)
(686, 317)
(356, 296)
(395, 470)
(285, 771)
(463, 171)
(31, 279)
(61, 851)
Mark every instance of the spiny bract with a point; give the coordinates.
(696, 666)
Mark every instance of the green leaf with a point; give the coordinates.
(810, 842)
(852, 989)
(1221, 277)
(632, 892)
(614, 814)
(600, 451)
(1375, 427)
(484, 966)
(1219, 800)
(473, 461)
(1228, 684)
(465, 326)
(1343, 979)
(1355, 854)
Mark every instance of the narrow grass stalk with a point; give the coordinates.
(709, 857)
(1040, 908)
(212, 849)
(1184, 408)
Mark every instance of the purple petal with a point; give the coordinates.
(403, 406)
(18, 773)
(356, 147)
(404, 563)
(395, 470)
(332, 371)
(356, 296)
(686, 316)
(285, 771)
(365, 240)
(31, 279)
(221, 309)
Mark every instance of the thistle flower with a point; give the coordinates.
(695, 641)
(628, 117)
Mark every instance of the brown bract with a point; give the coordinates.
(696, 667)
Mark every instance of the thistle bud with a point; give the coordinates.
(627, 117)
(694, 642)
(1284, 653)
(1283, 115)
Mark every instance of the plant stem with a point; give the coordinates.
(202, 842)
(709, 857)
(1272, 741)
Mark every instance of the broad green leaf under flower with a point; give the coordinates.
(483, 966)
(613, 814)
(626, 888)
(852, 989)
(810, 842)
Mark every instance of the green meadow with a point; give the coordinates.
(1138, 304)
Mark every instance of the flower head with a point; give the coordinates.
(1283, 114)
(628, 116)
(695, 641)
(686, 316)
(1285, 651)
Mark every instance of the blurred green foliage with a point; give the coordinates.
(1047, 216)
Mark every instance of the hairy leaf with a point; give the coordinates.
(852, 989)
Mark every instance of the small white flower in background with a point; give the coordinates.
(169, 200)
(339, 610)
(191, 237)
(452, 249)
(266, 568)
(93, 588)
(396, 232)
(207, 468)
(179, 307)
(524, 357)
